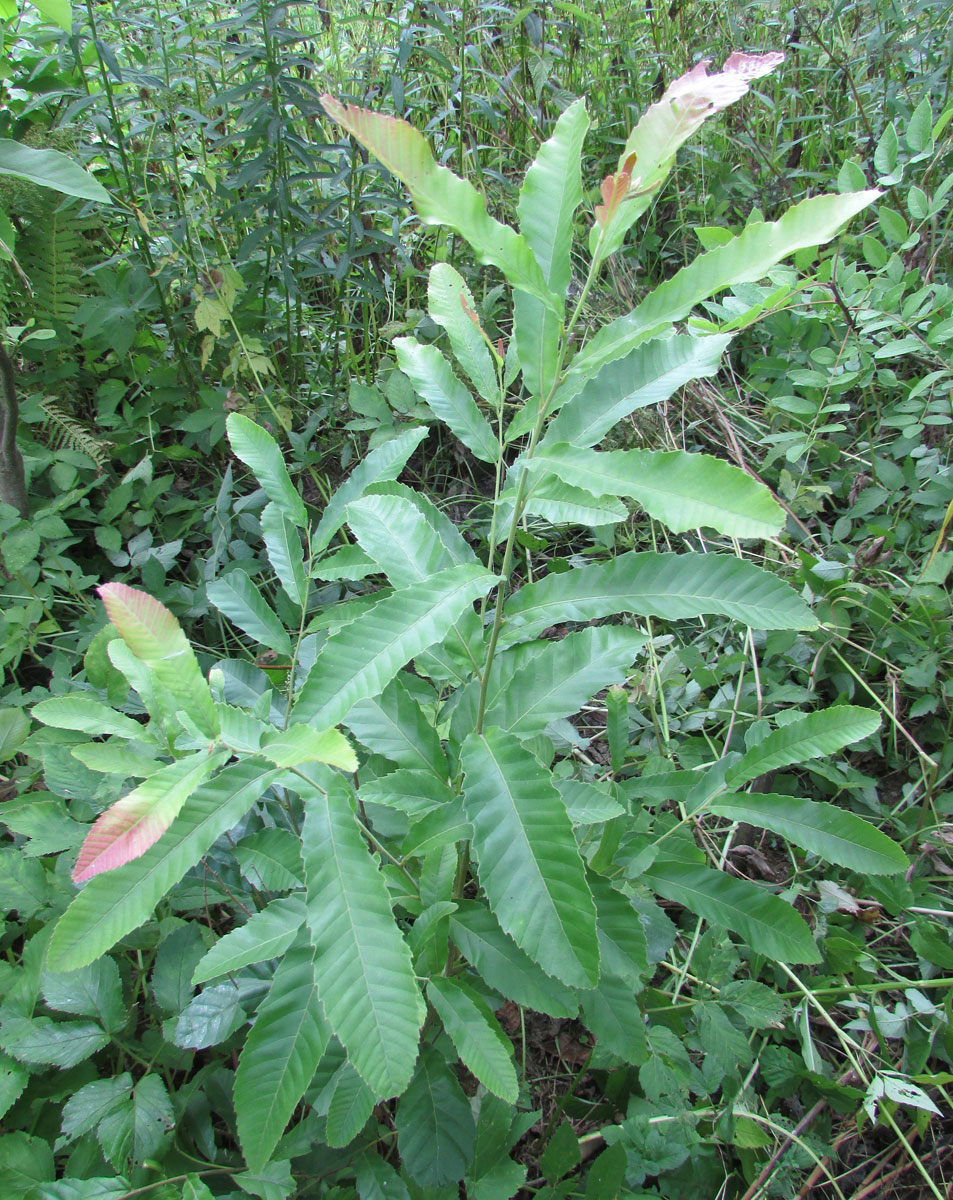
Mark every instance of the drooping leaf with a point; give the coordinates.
(237, 597)
(612, 1013)
(302, 744)
(435, 1129)
(451, 305)
(768, 925)
(283, 544)
(130, 826)
(266, 934)
(550, 195)
(259, 451)
(816, 735)
(831, 832)
(358, 660)
(448, 399)
(280, 1057)
(669, 586)
(440, 197)
(362, 966)
(528, 862)
(155, 637)
(383, 463)
(680, 489)
(478, 1039)
(649, 374)
(536, 331)
(50, 169)
(621, 936)
(114, 904)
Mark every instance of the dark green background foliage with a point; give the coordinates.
(550, 790)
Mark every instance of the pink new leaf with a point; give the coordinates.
(127, 829)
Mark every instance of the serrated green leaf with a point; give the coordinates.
(377, 1179)
(816, 735)
(137, 1130)
(83, 1111)
(649, 374)
(285, 553)
(59, 1043)
(447, 294)
(238, 598)
(611, 1012)
(271, 860)
(27, 1162)
(405, 541)
(831, 832)
(363, 966)
(436, 1134)
(768, 925)
(92, 991)
(383, 463)
(550, 195)
(448, 399)
(621, 936)
(209, 1018)
(393, 725)
(357, 661)
(266, 934)
(562, 1153)
(478, 1039)
(88, 715)
(680, 489)
(528, 862)
(413, 792)
(14, 727)
(259, 451)
(13, 1080)
(114, 904)
(352, 1103)
(280, 1057)
(301, 744)
(442, 198)
(670, 586)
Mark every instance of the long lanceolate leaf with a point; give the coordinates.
(280, 1056)
(442, 198)
(362, 964)
(746, 258)
(649, 374)
(258, 450)
(155, 637)
(834, 834)
(359, 659)
(238, 597)
(671, 586)
(817, 735)
(130, 826)
(451, 305)
(682, 490)
(114, 904)
(529, 865)
(449, 400)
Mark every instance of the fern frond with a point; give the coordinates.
(64, 430)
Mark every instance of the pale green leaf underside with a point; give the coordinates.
(280, 1056)
(839, 836)
(113, 904)
(237, 597)
(266, 934)
(768, 925)
(447, 291)
(358, 660)
(670, 586)
(393, 725)
(88, 715)
(362, 964)
(477, 1037)
(529, 865)
(50, 169)
(816, 735)
(682, 490)
(283, 544)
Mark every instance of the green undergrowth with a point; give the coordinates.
(475, 715)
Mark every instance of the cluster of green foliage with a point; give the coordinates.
(459, 807)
